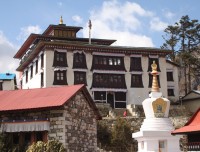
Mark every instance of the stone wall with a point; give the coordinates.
(74, 124)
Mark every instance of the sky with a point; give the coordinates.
(137, 23)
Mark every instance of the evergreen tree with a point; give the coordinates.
(183, 38)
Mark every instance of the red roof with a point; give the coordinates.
(193, 125)
(36, 98)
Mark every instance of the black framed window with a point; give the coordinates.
(120, 96)
(170, 76)
(60, 77)
(136, 81)
(42, 60)
(108, 63)
(42, 79)
(79, 61)
(136, 64)
(1, 85)
(60, 59)
(36, 66)
(170, 92)
(26, 76)
(31, 75)
(100, 95)
(80, 77)
(151, 78)
(151, 62)
(108, 80)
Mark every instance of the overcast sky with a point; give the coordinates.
(131, 23)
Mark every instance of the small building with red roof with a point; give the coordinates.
(67, 114)
(192, 130)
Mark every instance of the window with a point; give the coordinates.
(42, 80)
(108, 80)
(60, 59)
(151, 78)
(170, 92)
(31, 72)
(80, 78)
(60, 78)
(120, 96)
(170, 76)
(42, 60)
(26, 76)
(136, 81)
(136, 64)
(151, 62)
(79, 61)
(36, 67)
(1, 85)
(100, 96)
(107, 63)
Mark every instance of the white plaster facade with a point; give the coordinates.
(134, 95)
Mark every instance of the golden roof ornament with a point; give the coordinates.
(155, 87)
(61, 20)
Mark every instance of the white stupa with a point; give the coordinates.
(155, 132)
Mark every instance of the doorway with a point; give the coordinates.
(110, 99)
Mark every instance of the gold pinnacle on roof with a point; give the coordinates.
(155, 87)
(61, 20)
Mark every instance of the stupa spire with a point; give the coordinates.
(155, 87)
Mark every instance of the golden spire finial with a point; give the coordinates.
(155, 87)
(61, 20)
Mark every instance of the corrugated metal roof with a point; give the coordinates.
(7, 76)
(193, 125)
(36, 98)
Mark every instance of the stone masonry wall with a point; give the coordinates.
(74, 125)
(80, 125)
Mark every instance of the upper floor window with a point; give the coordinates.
(36, 66)
(80, 78)
(170, 92)
(79, 61)
(108, 80)
(108, 63)
(42, 60)
(151, 62)
(60, 77)
(26, 76)
(170, 76)
(31, 75)
(151, 78)
(136, 81)
(136, 64)
(60, 59)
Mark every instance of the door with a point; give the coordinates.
(110, 99)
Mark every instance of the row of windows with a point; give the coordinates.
(102, 62)
(36, 68)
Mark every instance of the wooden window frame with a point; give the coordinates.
(79, 61)
(108, 81)
(136, 64)
(108, 63)
(136, 81)
(170, 92)
(60, 77)
(78, 76)
(170, 76)
(60, 59)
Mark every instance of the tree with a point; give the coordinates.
(183, 38)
